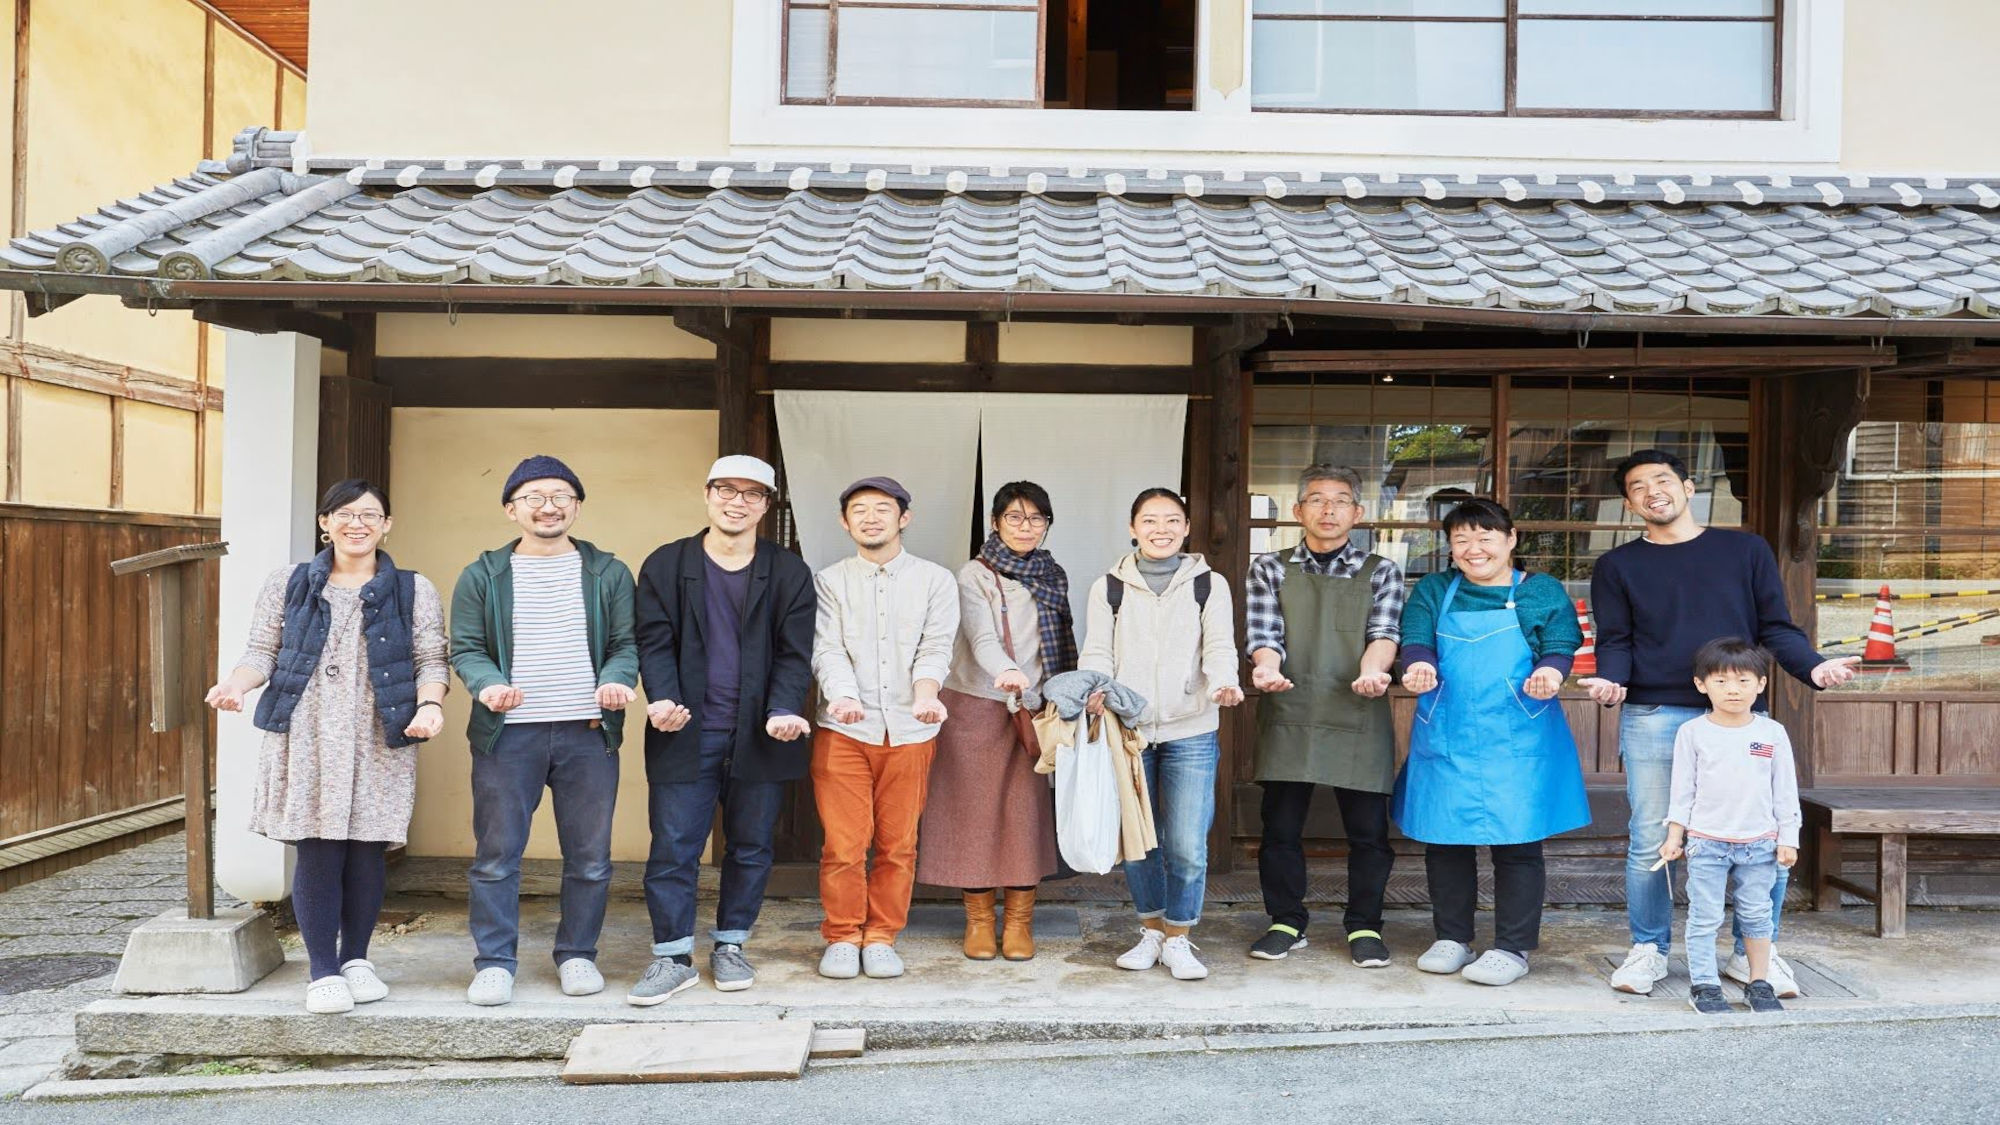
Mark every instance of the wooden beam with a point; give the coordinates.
(18, 215)
(732, 388)
(14, 384)
(36, 364)
(633, 384)
(1391, 360)
(117, 499)
(15, 511)
(264, 319)
(1044, 378)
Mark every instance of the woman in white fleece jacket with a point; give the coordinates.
(1172, 639)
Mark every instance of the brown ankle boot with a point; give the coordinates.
(979, 945)
(1017, 938)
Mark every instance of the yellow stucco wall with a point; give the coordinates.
(65, 447)
(292, 110)
(660, 86)
(245, 85)
(553, 336)
(1920, 83)
(642, 472)
(1096, 343)
(114, 107)
(868, 341)
(211, 466)
(159, 458)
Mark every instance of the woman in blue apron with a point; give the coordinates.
(1492, 760)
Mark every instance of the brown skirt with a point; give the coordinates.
(989, 820)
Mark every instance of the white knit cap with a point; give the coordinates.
(742, 466)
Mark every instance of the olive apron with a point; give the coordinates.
(1321, 731)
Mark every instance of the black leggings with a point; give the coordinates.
(336, 897)
(1519, 876)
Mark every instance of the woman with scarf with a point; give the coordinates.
(353, 651)
(989, 822)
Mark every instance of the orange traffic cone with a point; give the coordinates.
(1880, 653)
(1585, 663)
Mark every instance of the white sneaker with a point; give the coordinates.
(1782, 982)
(1144, 955)
(580, 977)
(329, 996)
(362, 982)
(1644, 967)
(490, 988)
(1445, 957)
(1177, 954)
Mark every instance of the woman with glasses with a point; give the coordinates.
(1161, 624)
(989, 822)
(1492, 760)
(353, 650)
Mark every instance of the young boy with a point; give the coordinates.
(1734, 813)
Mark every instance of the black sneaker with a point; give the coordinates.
(1368, 949)
(1707, 999)
(1762, 997)
(1276, 942)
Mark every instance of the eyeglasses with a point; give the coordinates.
(731, 492)
(1016, 519)
(535, 500)
(350, 516)
(1323, 504)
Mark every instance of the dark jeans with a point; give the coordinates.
(681, 814)
(1518, 878)
(336, 898)
(571, 761)
(1281, 859)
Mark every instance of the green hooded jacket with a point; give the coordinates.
(482, 633)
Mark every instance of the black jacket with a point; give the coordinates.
(776, 658)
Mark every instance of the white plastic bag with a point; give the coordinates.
(1087, 817)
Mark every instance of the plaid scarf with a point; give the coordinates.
(1049, 584)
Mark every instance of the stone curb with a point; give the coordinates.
(67, 1091)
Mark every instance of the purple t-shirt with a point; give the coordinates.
(725, 593)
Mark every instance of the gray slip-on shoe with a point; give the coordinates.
(879, 960)
(664, 977)
(728, 969)
(841, 961)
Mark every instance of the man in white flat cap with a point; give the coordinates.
(725, 631)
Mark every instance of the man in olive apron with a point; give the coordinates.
(1323, 631)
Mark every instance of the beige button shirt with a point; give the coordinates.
(881, 629)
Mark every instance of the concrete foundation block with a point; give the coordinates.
(174, 953)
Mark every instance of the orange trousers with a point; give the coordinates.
(868, 795)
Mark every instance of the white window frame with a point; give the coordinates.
(1222, 132)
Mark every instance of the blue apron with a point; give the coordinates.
(1487, 764)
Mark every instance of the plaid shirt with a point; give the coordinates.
(1265, 621)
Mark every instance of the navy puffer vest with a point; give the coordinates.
(387, 604)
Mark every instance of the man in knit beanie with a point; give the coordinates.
(541, 634)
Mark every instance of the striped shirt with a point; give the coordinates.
(551, 641)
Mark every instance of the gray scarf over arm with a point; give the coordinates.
(1071, 690)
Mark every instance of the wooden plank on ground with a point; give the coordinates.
(707, 1051)
(839, 1042)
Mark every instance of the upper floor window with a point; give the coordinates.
(1030, 54)
(1518, 58)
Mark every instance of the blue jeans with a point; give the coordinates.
(1646, 744)
(572, 762)
(681, 814)
(1170, 882)
(1743, 875)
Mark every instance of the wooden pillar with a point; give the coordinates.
(1220, 495)
(354, 413)
(1799, 423)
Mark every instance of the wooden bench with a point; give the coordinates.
(1892, 816)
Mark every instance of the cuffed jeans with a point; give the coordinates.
(572, 762)
(1281, 855)
(1646, 745)
(1170, 883)
(681, 814)
(1740, 874)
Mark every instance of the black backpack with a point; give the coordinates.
(1114, 592)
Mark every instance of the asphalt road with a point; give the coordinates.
(1941, 1071)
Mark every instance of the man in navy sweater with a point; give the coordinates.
(1657, 600)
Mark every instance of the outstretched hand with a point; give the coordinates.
(1835, 672)
(1603, 691)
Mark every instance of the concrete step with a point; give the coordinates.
(435, 1030)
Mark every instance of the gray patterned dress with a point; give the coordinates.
(333, 777)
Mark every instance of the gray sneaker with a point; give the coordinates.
(841, 961)
(879, 960)
(664, 977)
(728, 968)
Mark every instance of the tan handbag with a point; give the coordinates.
(1024, 720)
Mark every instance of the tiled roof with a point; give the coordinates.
(1609, 244)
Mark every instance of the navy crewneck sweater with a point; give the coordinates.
(1656, 603)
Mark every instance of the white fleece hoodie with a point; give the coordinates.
(1164, 648)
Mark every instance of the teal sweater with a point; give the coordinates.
(1548, 617)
